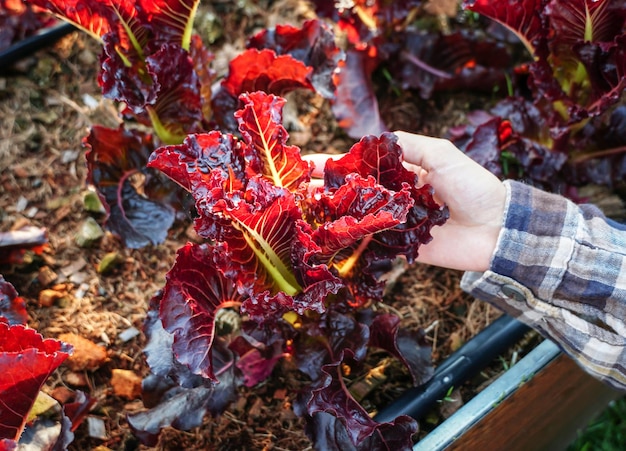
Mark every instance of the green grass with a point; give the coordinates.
(607, 432)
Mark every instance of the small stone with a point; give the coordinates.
(96, 428)
(89, 232)
(48, 297)
(62, 394)
(21, 204)
(109, 262)
(128, 334)
(126, 384)
(86, 356)
(75, 379)
(91, 203)
(68, 156)
(43, 404)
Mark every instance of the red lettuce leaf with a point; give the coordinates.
(257, 253)
(331, 396)
(95, 17)
(257, 70)
(263, 70)
(12, 306)
(190, 163)
(145, 61)
(194, 291)
(170, 21)
(256, 362)
(381, 159)
(134, 22)
(114, 158)
(409, 346)
(260, 123)
(313, 44)
(27, 360)
(162, 90)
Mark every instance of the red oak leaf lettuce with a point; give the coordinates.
(294, 262)
(560, 134)
(380, 159)
(147, 59)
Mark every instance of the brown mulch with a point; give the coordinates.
(46, 106)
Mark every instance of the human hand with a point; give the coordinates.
(474, 196)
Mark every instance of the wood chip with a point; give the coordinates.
(75, 379)
(47, 298)
(126, 384)
(46, 276)
(86, 356)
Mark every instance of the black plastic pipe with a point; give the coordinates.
(459, 367)
(31, 44)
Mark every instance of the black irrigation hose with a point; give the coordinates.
(466, 362)
(31, 44)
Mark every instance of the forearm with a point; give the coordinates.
(561, 269)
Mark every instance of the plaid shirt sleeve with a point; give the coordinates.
(561, 269)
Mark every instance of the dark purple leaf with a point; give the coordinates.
(195, 290)
(409, 346)
(458, 61)
(355, 105)
(114, 158)
(323, 340)
(256, 362)
(174, 395)
(332, 397)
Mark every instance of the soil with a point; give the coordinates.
(47, 104)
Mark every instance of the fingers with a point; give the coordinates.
(431, 154)
(319, 160)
